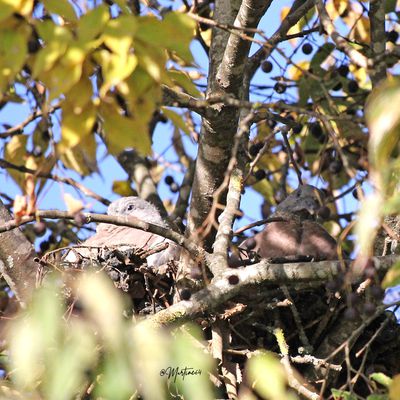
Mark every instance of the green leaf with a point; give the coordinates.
(77, 123)
(13, 52)
(60, 7)
(383, 120)
(92, 23)
(174, 33)
(390, 6)
(381, 378)
(182, 79)
(342, 395)
(267, 376)
(392, 277)
(123, 132)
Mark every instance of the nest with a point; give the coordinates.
(306, 316)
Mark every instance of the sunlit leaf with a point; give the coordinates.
(183, 80)
(123, 188)
(394, 389)
(15, 152)
(368, 222)
(267, 376)
(392, 277)
(60, 7)
(123, 132)
(174, 32)
(381, 378)
(13, 51)
(77, 123)
(91, 24)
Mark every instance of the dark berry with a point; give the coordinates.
(335, 167)
(169, 180)
(355, 194)
(343, 70)
(350, 314)
(376, 292)
(39, 228)
(174, 188)
(251, 243)
(52, 239)
(324, 212)
(280, 88)
(352, 86)
(297, 128)
(316, 130)
(44, 246)
(163, 119)
(233, 279)
(337, 87)
(331, 286)
(369, 308)
(267, 66)
(260, 174)
(353, 298)
(33, 46)
(255, 149)
(307, 48)
(392, 36)
(185, 294)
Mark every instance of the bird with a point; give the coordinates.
(293, 234)
(109, 235)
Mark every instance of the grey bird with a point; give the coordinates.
(108, 235)
(293, 233)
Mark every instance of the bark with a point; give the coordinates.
(228, 58)
(17, 264)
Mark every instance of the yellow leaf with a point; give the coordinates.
(92, 23)
(13, 52)
(7, 8)
(174, 33)
(81, 158)
(81, 93)
(15, 153)
(73, 205)
(394, 389)
(183, 80)
(267, 376)
(118, 34)
(368, 223)
(60, 7)
(123, 132)
(296, 73)
(56, 39)
(115, 68)
(77, 123)
(123, 188)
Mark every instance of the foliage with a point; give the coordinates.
(97, 79)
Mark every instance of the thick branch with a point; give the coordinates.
(378, 39)
(17, 264)
(219, 291)
(132, 222)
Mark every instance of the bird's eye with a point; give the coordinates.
(130, 207)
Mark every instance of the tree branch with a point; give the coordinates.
(132, 222)
(264, 273)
